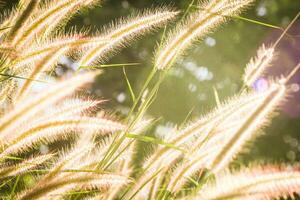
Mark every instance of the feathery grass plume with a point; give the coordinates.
(163, 158)
(222, 132)
(193, 138)
(43, 65)
(52, 129)
(7, 18)
(51, 13)
(67, 158)
(211, 141)
(34, 105)
(24, 166)
(257, 118)
(101, 150)
(6, 94)
(266, 182)
(61, 20)
(40, 50)
(257, 66)
(70, 107)
(199, 129)
(91, 180)
(121, 33)
(22, 19)
(195, 27)
(56, 182)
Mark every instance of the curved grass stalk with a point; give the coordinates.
(51, 14)
(257, 66)
(126, 167)
(268, 182)
(200, 153)
(84, 179)
(22, 19)
(139, 186)
(111, 180)
(115, 191)
(58, 128)
(61, 20)
(24, 166)
(72, 42)
(6, 94)
(199, 129)
(68, 159)
(155, 187)
(252, 123)
(127, 30)
(194, 28)
(33, 106)
(262, 61)
(70, 107)
(7, 19)
(45, 64)
(74, 159)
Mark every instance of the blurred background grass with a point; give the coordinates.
(217, 61)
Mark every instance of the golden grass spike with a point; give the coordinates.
(61, 20)
(73, 160)
(195, 27)
(82, 148)
(52, 129)
(103, 183)
(67, 159)
(199, 147)
(7, 93)
(229, 143)
(258, 65)
(44, 65)
(7, 18)
(256, 119)
(195, 139)
(70, 107)
(265, 56)
(24, 166)
(40, 102)
(72, 41)
(51, 14)
(123, 32)
(92, 180)
(22, 19)
(200, 128)
(266, 182)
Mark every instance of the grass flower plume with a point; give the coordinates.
(257, 66)
(195, 27)
(69, 148)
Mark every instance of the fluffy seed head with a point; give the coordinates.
(124, 31)
(268, 182)
(257, 66)
(257, 118)
(195, 27)
(31, 106)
